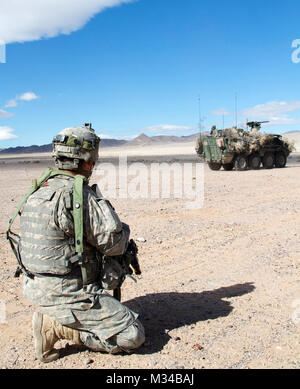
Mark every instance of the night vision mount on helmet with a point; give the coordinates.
(75, 144)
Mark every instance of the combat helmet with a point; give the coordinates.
(75, 144)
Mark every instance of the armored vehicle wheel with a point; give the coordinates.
(228, 166)
(280, 160)
(214, 165)
(268, 160)
(254, 161)
(241, 163)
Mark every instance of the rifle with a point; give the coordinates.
(130, 262)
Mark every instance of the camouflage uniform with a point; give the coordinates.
(47, 241)
(199, 146)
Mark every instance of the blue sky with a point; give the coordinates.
(141, 66)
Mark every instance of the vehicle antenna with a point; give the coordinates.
(200, 118)
(236, 102)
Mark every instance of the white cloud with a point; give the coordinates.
(6, 133)
(11, 103)
(28, 96)
(166, 128)
(220, 112)
(31, 20)
(278, 113)
(4, 114)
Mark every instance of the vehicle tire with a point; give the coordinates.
(214, 165)
(241, 163)
(280, 160)
(228, 166)
(268, 160)
(254, 161)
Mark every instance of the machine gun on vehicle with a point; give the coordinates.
(256, 125)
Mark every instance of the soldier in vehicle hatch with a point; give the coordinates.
(213, 131)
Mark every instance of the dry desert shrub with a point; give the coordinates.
(249, 142)
(264, 139)
(231, 132)
(290, 144)
(254, 146)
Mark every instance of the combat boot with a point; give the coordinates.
(46, 333)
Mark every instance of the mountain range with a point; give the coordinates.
(141, 140)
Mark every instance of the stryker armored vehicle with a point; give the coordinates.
(243, 149)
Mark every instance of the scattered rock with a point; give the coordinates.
(89, 361)
(198, 347)
(15, 360)
(141, 240)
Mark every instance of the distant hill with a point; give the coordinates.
(112, 142)
(141, 140)
(292, 132)
(293, 136)
(48, 148)
(145, 140)
(27, 150)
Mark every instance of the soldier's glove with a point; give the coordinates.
(112, 273)
(130, 259)
(115, 269)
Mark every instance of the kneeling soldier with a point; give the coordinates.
(71, 242)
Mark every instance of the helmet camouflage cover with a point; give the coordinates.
(75, 144)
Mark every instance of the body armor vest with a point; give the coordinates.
(44, 248)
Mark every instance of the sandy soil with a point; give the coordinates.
(220, 285)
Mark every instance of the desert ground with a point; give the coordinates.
(220, 285)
